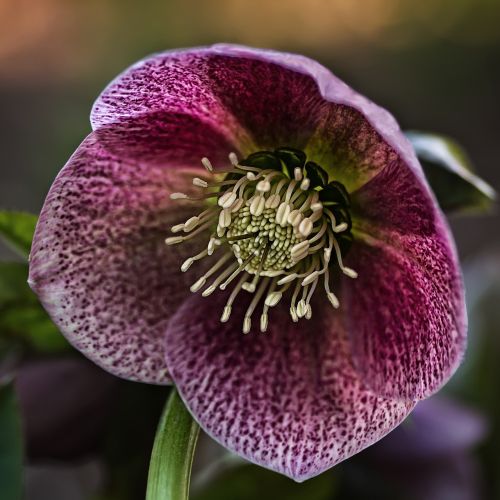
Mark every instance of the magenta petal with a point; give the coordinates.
(406, 310)
(99, 263)
(289, 399)
(155, 98)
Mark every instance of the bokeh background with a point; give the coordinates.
(435, 64)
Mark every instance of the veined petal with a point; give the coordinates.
(155, 97)
(406, 311)
(289, 400)
(257, 99)
(99, 263)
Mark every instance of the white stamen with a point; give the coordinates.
(247, 324)
(178, 196)
(257, 206)
(187, 264)
(237, 205)
(297, 173)
(341, 227)
(199, 283)
(333, 300)
(309, 279)
(207, 164)
(191, 223)
(304, 185)
(309, 311)
(211, 246)
(316, 206)
(225, 314)
(350, 272)
(227, 199)
(273, 201)
(306, 227)
(233, 159)
(295, 217)
(287, 279)
(301, 308)
(225, 218)
(263, 186)
(249, 287)
(200, 182)
(173, 240)
(251, 176)
(300, 247)
(282, 214)
(273, 298)
(177, 228)
(264, 321)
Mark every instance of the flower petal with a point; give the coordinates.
(256, 99)
(345, 132)
(289, 399)
(407, 319)
(99, 263)
(158, 95)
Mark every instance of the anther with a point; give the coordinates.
(333, 300)
(187, 264)
(226, 313)
(306, 227)
(199, 283)
(304, 185)
(206, 163)
(263, 186)
(178, 196)
(273, 201)
(174, 240)
(264, 320)
(297, 173)
(177, 228)
(190, 224)
(309, 279)
(233, 159)
(200, 182)
(227, 199)
(273, 298)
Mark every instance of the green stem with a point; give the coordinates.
(173, 452)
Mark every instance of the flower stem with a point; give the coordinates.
(173, 451)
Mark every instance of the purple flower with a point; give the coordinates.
(309, 210)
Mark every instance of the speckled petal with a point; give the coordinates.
(154, 97)
(349, 135)
(288, 400)
(406, 310)
(99, 263)
(257, 99)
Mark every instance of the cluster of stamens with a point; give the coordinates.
(276, 236)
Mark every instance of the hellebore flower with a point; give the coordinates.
(308, 218)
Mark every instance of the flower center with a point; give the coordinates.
(279, 221)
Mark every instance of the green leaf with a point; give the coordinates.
(173, 451)
(17, 229)
(11, 445)
(22, 319)
(450, 174)
(249, 482)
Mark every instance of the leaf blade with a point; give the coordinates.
(17, 229)
(173, 452)
(450, 174)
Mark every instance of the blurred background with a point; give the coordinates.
(435, 64)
